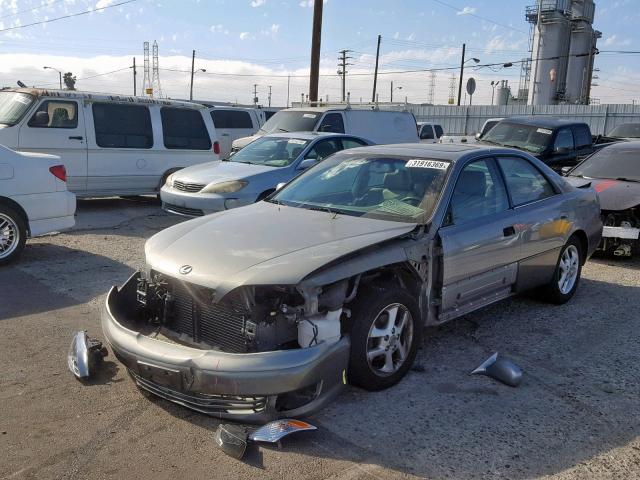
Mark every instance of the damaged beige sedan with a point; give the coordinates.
(266, 311)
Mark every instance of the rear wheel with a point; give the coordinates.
(385, 335)
(13, 234)
(566, 277)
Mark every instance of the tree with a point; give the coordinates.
(69, 81)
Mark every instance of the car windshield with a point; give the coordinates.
(525, 137)
(396, 188)
(13, 106)
(626, 130)
(616, 162)
(291, 121)
(271, 151)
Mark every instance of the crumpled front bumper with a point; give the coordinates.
(244, 387)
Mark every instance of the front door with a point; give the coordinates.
(57, 127)
(480, 245)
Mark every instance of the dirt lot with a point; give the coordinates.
(576, 415)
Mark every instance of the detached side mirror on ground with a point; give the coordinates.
(307, 163)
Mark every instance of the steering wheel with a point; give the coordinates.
(412, 200)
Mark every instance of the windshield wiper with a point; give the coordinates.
(283, 129)
(626, 179)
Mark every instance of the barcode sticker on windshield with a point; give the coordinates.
(309, 115)
(546, 131)
(427, 164)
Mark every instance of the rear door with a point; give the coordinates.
(480, 246)
(230, 125)
(58, 127)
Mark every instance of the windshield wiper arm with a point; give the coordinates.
(626, 179)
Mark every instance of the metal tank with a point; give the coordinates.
(503, 93)
(550, 50)
(581, 52)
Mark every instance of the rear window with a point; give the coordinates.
(231, 119)
(184, 128)
(122, 126)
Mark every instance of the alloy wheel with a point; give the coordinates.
(9, 235)
(389, 339)
(568, 269)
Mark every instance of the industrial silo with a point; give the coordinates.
(581, 52)
(550, 50)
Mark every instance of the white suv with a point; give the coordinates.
(33, 199)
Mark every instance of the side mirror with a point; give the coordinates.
(478, 136)
(280, 185)
(307, 163)
(40, 119)
(565, 170)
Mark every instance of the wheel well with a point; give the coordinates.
(166, 174)
(16, 206)
(584, 243)
(402, 274)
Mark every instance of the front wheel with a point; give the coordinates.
(13, 234)
(566, 277)
(385, 335)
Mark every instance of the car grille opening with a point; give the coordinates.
(187, 187)
(221, 325)
(205, 403)
(191, 212)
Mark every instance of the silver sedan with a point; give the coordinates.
(267, 310)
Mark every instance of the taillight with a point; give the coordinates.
(59, 172)
(216, 148)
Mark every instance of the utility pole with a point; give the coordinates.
(316, 35)
(135, 92)
(464, 46)
(288, 88)
(375, 74)
(343, 70)
(193, 60)
(391, 96)
(255, 94)
(269, 95)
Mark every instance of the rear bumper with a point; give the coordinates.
(48, 212)
(244, 387)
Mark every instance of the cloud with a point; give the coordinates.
(245, 35)
(271, 31)
(613, 40)
(257, 3)
(104, 3)
(466, 11)
(308, 3)
(219, 28)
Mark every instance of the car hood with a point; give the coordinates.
(244, 141)
(219, 171)
(614, 194)
(262, 244)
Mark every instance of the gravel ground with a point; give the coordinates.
(575, 416)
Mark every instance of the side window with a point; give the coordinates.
(55, 114)
(122, 126)
(439, 131)
(582, 136)
(332, 122)
(323, 149)
(524, 181)
(479, 192)
(426, 133)
(564, 139)
(184, 128)
(348, 143)
(231, 119)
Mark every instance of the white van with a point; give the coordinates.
(234, 122)
(429, 132)
(377, 126)
(110, 144)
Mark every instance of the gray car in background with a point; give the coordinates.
(251, 174)
(268, 310)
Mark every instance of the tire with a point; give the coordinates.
(558, 291)
(372, 332)
(13, 234)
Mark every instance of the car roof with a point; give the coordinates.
(310, 135)
(439, 151)
(542, 122)
(623, 145)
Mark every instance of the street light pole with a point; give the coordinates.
(59, 74)
(464, 47)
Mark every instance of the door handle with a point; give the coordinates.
(77, 137)
(509, 231)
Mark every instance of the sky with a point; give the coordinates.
(263, 42)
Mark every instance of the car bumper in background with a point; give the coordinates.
(251, 387)
(627, 233)
(198, 204)
(48, 212)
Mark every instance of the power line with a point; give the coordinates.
(66, 16)
(32, 9)
(471, 14)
